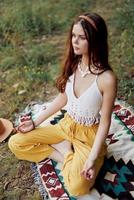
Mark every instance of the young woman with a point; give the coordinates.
(88, 86)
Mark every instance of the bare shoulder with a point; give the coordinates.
(108, 77)
(108, 80)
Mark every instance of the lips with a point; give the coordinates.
(76, 48)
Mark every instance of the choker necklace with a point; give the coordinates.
(85, 72)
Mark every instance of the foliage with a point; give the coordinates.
(122, 50)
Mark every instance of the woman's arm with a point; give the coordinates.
(108, 87)
(58, 103)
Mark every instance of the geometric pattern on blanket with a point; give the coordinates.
(53, 185)
(116, 177)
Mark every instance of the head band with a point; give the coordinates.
(89, 20)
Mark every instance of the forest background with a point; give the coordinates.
(32, 42)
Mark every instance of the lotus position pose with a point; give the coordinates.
(87, 86)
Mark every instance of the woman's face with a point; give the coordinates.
(79, 41)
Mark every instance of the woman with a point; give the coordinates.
(88, 86)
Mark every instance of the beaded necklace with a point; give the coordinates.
(85, 72)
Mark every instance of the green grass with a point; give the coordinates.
(122, 50)
(32, 38)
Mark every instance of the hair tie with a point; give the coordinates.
(89, 20)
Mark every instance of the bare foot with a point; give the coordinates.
(57, 156)
(63, 147)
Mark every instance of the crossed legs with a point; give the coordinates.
(52, 142)
(61, 149)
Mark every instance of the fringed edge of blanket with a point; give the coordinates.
(38, 182)
(124, 104)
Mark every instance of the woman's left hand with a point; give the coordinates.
(88, 171)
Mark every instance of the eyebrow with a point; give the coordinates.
(79, 35)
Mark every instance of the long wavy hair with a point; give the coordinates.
(96, 35)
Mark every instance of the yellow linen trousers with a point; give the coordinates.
(36, 145)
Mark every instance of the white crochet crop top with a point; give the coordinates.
(84, 109)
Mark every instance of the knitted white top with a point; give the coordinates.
(84, 109)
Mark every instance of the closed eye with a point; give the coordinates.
(73, 35)
(80, 36)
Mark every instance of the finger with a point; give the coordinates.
(90, 174)
(21, 128)
(25, 118)
(88, 177)
(22, 119)
(18, 128)
(83, 173)
(21, 124)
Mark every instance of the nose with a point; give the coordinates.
(75, 40)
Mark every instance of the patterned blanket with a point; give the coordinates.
(116, 177)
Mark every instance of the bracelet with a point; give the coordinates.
(33, 124)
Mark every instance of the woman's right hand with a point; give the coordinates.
(25, 126)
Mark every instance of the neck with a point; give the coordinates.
(85, 61)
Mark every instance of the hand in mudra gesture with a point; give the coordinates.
(88, 171)
(26, 124)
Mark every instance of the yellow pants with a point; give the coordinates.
(35, 146)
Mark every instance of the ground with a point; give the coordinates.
(16, 177)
